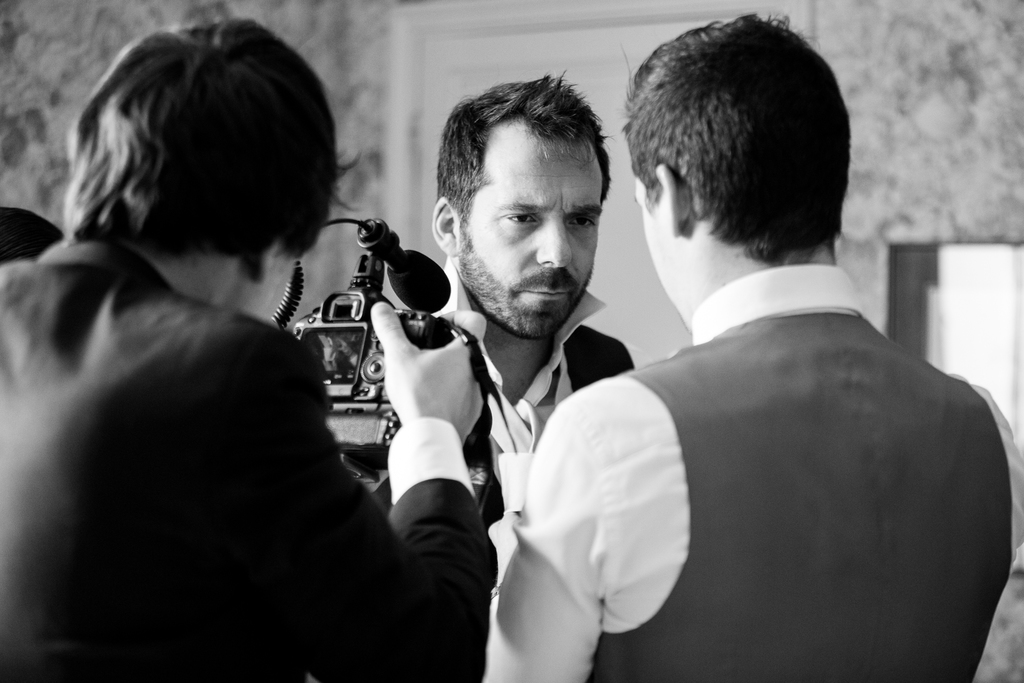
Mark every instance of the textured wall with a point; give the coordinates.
(934, 91)
(936, 99)
(52, 52)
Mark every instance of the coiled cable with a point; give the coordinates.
(292, 295)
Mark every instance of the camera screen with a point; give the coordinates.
(338, 349)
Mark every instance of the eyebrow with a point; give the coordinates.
(588, 209)
(526, 207)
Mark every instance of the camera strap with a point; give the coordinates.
(477, 449)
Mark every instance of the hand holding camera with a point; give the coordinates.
(430, 382)
(446, 380)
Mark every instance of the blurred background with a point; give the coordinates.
(934, 214)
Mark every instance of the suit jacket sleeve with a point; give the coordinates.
(362, 601)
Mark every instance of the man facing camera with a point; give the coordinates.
(174, 505)
(793, 498)
(522, 176)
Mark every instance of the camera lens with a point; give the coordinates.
(373, 367)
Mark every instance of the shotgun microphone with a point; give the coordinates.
(417, 280)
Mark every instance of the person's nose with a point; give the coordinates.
(554, 249)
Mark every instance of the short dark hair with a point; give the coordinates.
(24, 235)
(210, 137)
(549, 107)
(751, 118)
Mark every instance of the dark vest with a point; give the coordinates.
(850, 514)
(591, 356)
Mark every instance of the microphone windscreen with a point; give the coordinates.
(423, 286)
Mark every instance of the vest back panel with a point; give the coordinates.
(850, 513)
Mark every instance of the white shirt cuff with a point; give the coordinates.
(426, 448)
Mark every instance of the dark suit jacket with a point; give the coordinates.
(172, 506)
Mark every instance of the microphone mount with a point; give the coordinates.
(376, 237)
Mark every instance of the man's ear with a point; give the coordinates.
(446, 227)
(678, 199)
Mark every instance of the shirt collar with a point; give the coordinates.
(588, 306)
(785, 290)
(105, 254)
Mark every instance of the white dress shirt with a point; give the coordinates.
(605, 531)
(549, 387)
(417, 453)
(515, 438)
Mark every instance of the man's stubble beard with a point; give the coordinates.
(497, 302)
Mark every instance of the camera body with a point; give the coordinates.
(340, 334)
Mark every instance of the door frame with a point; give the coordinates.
(413, 26)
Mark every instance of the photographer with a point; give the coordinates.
(174, 506)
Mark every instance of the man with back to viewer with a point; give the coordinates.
(174, 506)
(522, 175)
(795, 497)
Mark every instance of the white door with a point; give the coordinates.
(444, 51)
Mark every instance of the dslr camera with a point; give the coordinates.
(340, 335)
